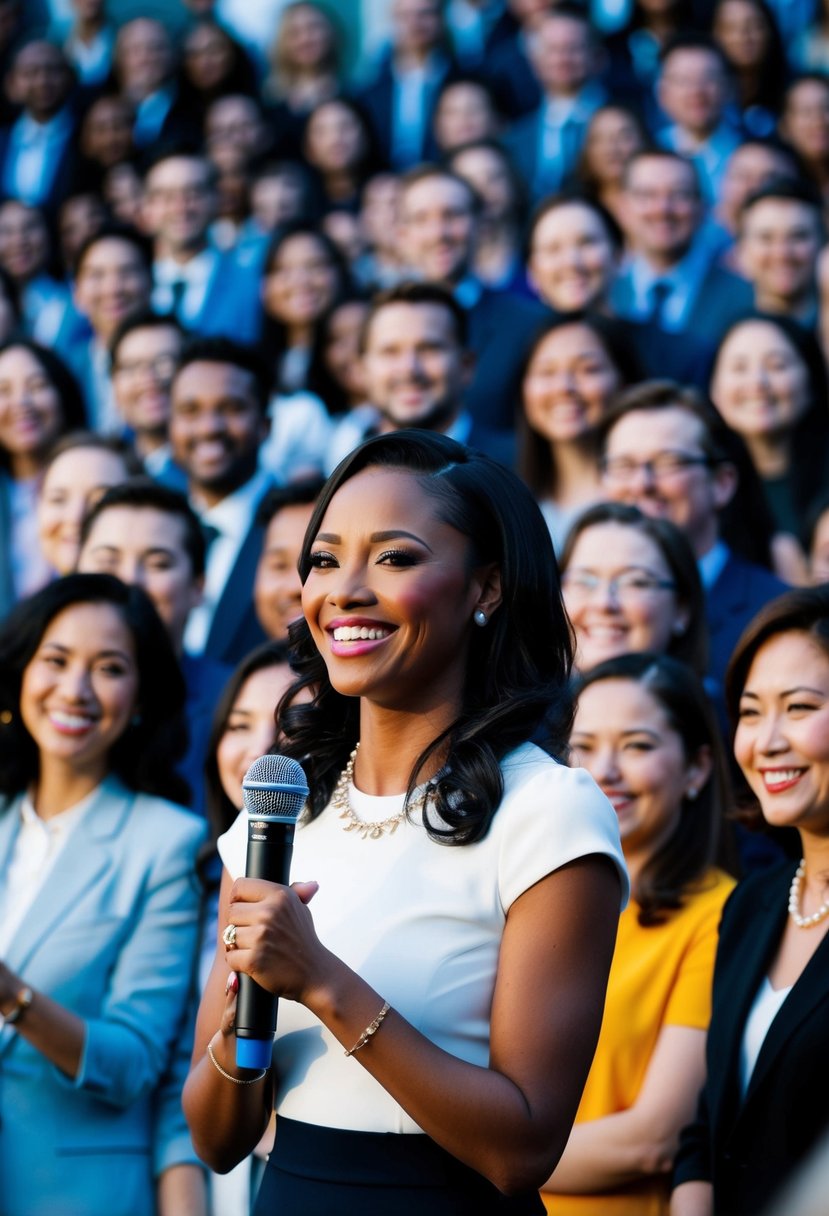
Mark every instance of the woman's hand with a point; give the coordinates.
(276, 942)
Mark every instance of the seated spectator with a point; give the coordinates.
(80, 468)
(149, 537)
(145, 69)
(105, 138)
(645, 732)
(694, 87)
(769, 384)
(277, 590)
(338, 145)
(112, 280)
(749, 37)
(781, 233)
(400, 101)
(546, 143)
(211, 293)
(574, 369)
(438, 228)
(144, 351)
(614, 134)
(804, 124)
(499, 251)
(665, 451)
(39, 402)
(218, 420)
(213, 64)
(630, 584)
(669, 280)
(38, 151)
(235, 131)
(304, 69)
(751, 166)
(100, 900)
(465, 113)
(416, 366)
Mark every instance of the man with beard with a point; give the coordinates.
(218, 419)
(416, 367)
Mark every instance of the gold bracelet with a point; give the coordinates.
(371, 1029)
(229, 1076)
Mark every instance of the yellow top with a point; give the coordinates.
(660, 976)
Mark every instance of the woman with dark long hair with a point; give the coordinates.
(100, 907)
(439, 977)
(646, 733)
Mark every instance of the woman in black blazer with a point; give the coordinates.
(764, 1104)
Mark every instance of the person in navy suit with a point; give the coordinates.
(546, 143)
(439, 216)
(149, 536)
(100, 903)
(416, 365)
(38, 151)
(218, 420)
(763, 1107)
(211, 292)
(671, 280)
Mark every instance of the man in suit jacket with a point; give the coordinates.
(438, 222)
(145, 65)
(666, 452)
(416, 366)
(669, 280)
(545, 144)
(218, 420)
(210, 292)
(38, 151)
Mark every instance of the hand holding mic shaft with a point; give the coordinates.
(274, 789)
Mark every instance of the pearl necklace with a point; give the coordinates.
(372, 830)
(804, 922)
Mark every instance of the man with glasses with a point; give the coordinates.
(144, 353)
(666, 452)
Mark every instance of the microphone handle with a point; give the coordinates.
(270, 845)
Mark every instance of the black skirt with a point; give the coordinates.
(322, 1171)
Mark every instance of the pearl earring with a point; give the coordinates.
(479, 617)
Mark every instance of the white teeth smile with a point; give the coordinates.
(70, 721)
(782, 776)
(359, 633)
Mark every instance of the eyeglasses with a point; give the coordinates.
(162, 366)
(629, 585)
(662, 467)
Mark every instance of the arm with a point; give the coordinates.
(182, 1191)
(693, 1199)
(50, 1028)
(509, 1121)
(604, 1154)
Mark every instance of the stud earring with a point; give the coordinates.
(692, 793)
(479, 617)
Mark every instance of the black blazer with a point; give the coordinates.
(235, 630)
(749, 1148)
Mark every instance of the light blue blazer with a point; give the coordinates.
(113, 937)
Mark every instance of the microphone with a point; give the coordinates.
(274, 791)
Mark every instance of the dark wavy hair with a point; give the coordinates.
(518, 667)
(692, 645)
(146, 754)
(220, 810)
(683, 860)
(73, 414)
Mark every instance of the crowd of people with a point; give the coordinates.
(441, 399)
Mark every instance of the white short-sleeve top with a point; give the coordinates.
(422, 923)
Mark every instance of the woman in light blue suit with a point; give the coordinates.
(99, 905)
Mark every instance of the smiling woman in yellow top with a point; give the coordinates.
(645, 733)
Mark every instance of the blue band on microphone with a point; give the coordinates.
(254, 1053)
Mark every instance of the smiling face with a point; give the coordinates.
(74, 482)
(250, 730)
(277, 589)
(623, 737)
(782, 737)
(112, 281)
(569, 382)
(390, 594)
(572, 258)
(31, 415)
(635, 614)
(80, 689)
(613, 136)
(760, 383)
(437, 227)
(778, 246)
(300, 281)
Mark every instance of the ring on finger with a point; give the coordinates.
(229, 937)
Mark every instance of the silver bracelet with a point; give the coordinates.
(229, 1076)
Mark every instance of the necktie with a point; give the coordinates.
(657, 298)
(210, 533)
(177, 288)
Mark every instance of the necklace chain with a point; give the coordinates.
(804, 922)
(372, 829)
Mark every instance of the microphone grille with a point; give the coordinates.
(276, 786)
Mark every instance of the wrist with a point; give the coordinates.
(15, 1008)
(325, 997)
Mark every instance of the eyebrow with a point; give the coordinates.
(101, 654)
(376, 538)
(788, 692)
(153, 551)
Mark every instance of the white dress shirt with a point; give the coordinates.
(195, 274)
(33, 154)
